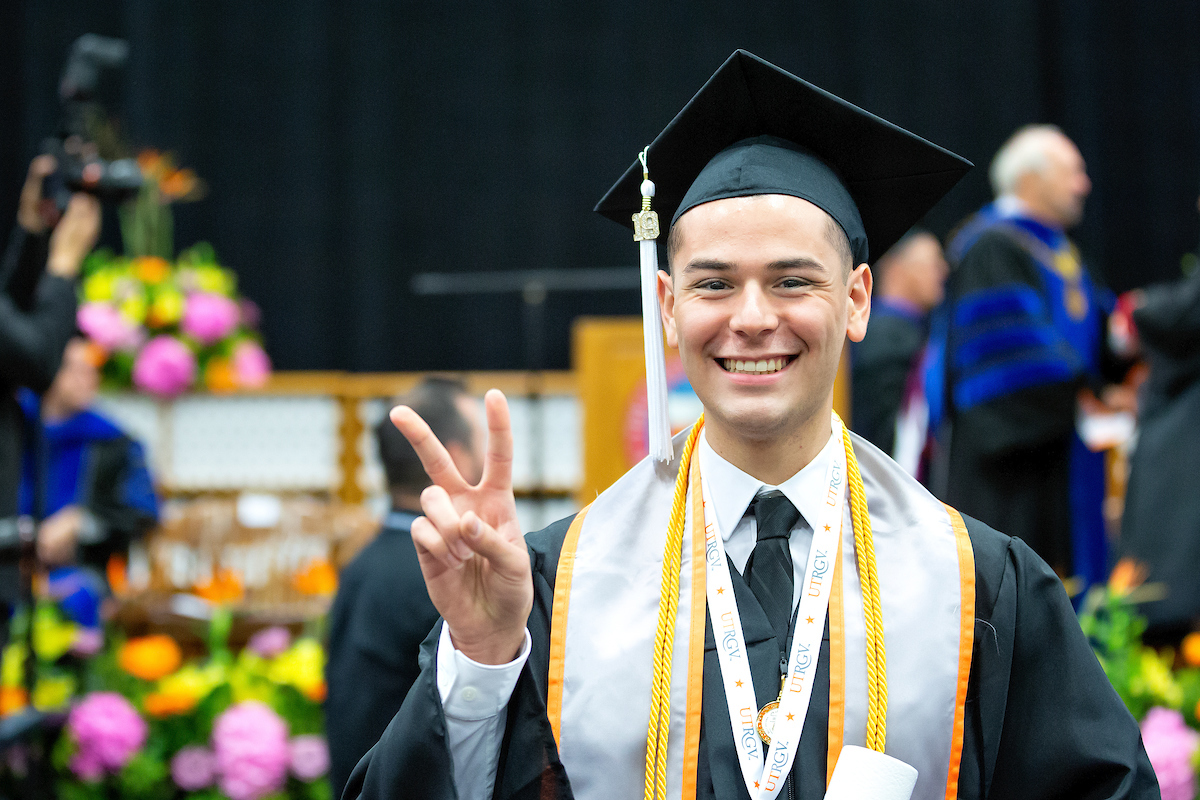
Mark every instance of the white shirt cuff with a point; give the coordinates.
(474, 691)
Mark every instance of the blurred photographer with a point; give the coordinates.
(37, 319)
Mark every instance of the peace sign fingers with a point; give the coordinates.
(434, 458)
(497, 465)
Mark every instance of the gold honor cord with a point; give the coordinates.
(868, 577)
(668, 606)
(664, 636)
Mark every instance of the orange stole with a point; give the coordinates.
(966, 644)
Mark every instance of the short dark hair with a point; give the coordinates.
(435, 400)
(833, 233)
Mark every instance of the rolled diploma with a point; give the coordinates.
(863, 774)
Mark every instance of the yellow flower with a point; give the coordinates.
(192, 681)
(302, 666)
(211, 278)
(133, 308)
(52, 637)
(99, 286)
(12, 666)
(167, 308)
(53, 693)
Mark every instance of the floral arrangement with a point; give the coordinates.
(144, 724)
(1161, 689)
(164, 327)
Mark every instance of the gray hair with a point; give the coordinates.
(1024, 152)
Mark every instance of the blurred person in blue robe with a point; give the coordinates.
(1018, 347)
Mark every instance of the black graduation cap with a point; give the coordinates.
(803, 141)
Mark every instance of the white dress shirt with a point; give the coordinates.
(475, 696)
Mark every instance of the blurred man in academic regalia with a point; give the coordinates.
(1023, 340)
(382, 611)
(889, 408)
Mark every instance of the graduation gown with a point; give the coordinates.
(1019, 341)
(1161, 523)
(1040, 718)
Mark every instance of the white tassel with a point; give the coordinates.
(656, 363)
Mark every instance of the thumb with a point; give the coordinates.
(509, 558)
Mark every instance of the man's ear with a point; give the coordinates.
(666, 301)
(858, 301)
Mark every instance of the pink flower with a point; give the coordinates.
(105, 326)
(251, 364)
(107, 730)
(1171, 744)
(165, 367)
(309, 757)
(193, 768)
(250, 741)
(209, 317)
(270, 642)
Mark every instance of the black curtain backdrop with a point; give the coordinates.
(348, 146)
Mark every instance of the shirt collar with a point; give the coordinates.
(732, 490)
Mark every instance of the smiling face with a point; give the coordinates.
(759, 306)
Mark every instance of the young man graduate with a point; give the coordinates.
(778, 600)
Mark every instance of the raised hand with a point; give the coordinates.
(469, 542)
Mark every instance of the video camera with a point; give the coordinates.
(86, 146)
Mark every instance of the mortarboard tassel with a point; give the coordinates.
(645, 231)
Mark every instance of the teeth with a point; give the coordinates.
(760, 367)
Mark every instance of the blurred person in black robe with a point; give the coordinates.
(888, 406)
(1161, 523)
(37, 319)
(1018, 346)
(382, 611)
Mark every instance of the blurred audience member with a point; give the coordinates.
(82, 476)
(37, 318)
(1023, 337)
(382, 611)
(888, 406)
(1161, 523)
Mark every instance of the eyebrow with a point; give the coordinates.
(712, 265)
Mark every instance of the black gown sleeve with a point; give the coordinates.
(412, 759)
(1042, 719)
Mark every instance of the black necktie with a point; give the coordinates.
(769, 570)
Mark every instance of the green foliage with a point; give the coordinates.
(145, 778)
(72, 790)
(303, 715)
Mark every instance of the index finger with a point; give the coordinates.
(434, 458)
(497, 465)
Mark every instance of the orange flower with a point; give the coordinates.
(1126, 576)
(151, 269)
(1191, 649)
(150, 657)
(220, 376)
(152, 163)
(12, 700)
(225, 587)
(166, 704)
(178, 185)
(317, 693)
(319, 578)
(118, 577)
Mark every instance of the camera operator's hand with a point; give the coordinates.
(35, 213)
(58, 535)
(75, 236)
